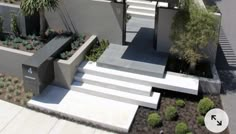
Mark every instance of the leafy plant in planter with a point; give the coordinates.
(193, 29)
(1, 24)
(97, 50)
(181, 128)
(30, 7)
(154, 119)
(14, 26)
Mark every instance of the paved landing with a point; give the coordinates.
(15, 119)
(135, 59)
(83, 107)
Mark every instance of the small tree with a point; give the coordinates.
(30, 7)
(192, 30)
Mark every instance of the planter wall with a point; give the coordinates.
(66, 69)
(165, 19)
(11, 61)
(103, 18)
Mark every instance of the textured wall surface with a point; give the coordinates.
(5, 11)
(104, 19)
(11, 61)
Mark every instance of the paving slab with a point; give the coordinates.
(7, 113)
(30, 122)
(106, 113)
(67, 127)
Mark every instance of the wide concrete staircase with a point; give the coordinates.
(115, 85)
(141, 8)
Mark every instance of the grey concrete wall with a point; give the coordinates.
(165, 19)
(210, 86)
(104, 19)
(5, 12)
(66, 69)
(11, 61)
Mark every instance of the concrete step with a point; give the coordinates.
(140, 14)
(87, 108)
(140, 3)
(114, 84)
(141, 9)
(146, 101)
(169, 82)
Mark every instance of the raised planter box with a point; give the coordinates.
(65, 69)
(206, 85)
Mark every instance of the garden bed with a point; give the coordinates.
(77, 42)
(187, 114)
(12, 90)
(29, 43)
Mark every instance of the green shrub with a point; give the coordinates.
(180, 103)
(200, 120)
(189, 133)
(96, 51)
(170, 113)
(205, 105)
(25, 43)
(154, 119)
(29, 47)
(1, 84)
(17, 40)
(10, 89)
(181, 128)
(6, 42)
(15, 45)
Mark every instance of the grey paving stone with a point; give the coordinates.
(7, 113)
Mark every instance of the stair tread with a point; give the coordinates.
(142, 2)
(149, 99)
(113, 82)
(139, 7)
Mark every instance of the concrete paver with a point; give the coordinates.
(7, 112)
(67, 127)
(30, 122)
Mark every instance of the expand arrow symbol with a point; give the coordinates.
(213, 117)
(219, 123)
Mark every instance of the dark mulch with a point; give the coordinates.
(187, 114)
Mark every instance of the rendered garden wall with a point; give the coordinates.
(102, 18)
(66, 69)
(11, 61)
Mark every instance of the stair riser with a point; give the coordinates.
(141, 10)
(119, 88)
(141, 16)
(116, 98)
(116, 77)
(141, 4)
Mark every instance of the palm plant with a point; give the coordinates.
(30, 7)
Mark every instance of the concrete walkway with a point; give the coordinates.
(15, 119)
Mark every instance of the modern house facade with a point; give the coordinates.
(125, 75)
